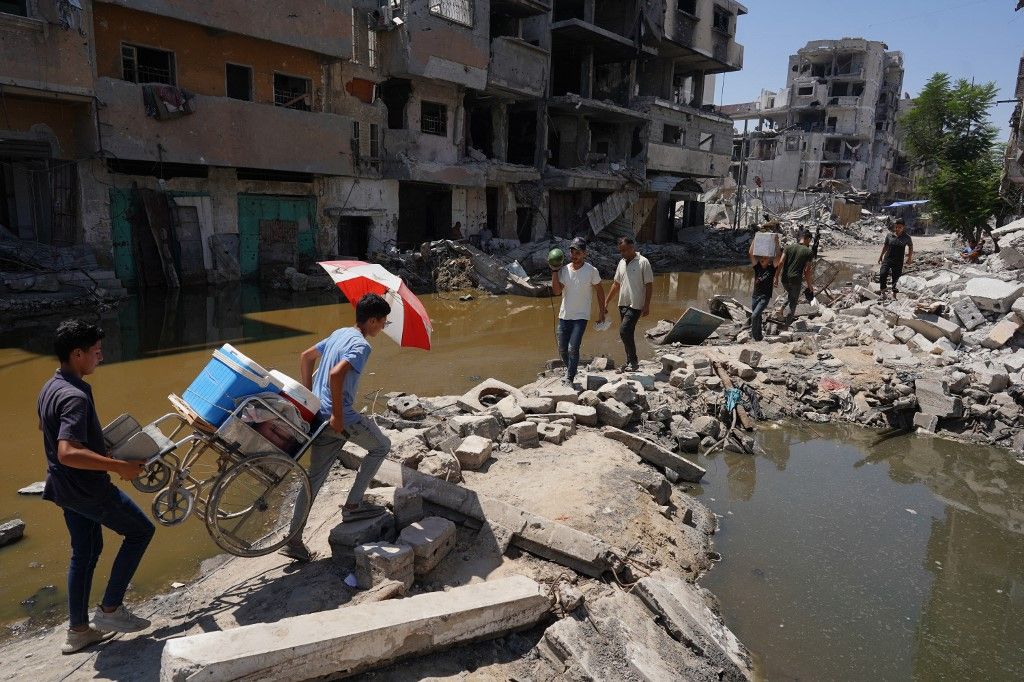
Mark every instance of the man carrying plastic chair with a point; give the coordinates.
(343, 356)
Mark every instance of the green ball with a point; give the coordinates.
(556, 257)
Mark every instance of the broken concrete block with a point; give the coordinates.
(490, 392)
(645, 381)
(865, 293)
(595, 381)
(654, 483)
(601, 364)
(967, 312)
(622, 391)
(993, 294)
(510, 411)
(431, 540)
(342, 642)
(742, 370)
(473, 452)
(993, 382)
(33, 488)
(407, 407)
(348, 535)
(919, 343)
(749, 356)
(614, 413)
(442, 465)
(682, 378)
(928, 423)
(687, 441)
(903, 334)
(585, 415)
(892, 353)
(932, 327)
(405, 504)
(443, 436)
(1013, 363)
(380, 561)
(932, 397)
(1012, 257)
(11, 531)
(570, 426)
(653, 453)
(670, 362)
(524, 434)
(552, 433)
(589, 398)
(485, 426)
(558, 394)
(707, 425)
(538, 405)
(1002, 332)
(943, 345)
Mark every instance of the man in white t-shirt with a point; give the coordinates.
(634, 284)
(575, 283)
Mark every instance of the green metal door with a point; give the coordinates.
(121, 206)
(256, 208)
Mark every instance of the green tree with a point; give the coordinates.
(952, 143)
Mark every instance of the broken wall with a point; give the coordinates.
(359, 197)
(38, 52)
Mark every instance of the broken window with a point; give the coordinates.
(670, 134)
(238, 81)
(292, 92)
(395, 92)
(805, 91)
(356, 147)
(434, 118)
(722, 20)
(19, 7)
(459, 11)
(147, 65)
(792, 143)
(688, 6)
(844, 65)
(374, 141)
(364, 39)
(707, 142)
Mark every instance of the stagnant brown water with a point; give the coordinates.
(156, 346)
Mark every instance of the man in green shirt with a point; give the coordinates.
(796, 268)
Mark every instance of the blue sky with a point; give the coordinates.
(979, 39)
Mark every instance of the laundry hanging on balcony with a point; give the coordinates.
(165, 102)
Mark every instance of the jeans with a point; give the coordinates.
(758, 305)
(793, 290)
(327, 447)
(85, 521)
(890, 269)
(630, 316)
(570, 336)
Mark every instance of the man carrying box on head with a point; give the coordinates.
(343, 356)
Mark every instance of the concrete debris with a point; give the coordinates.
(11, 531)
(347, 535)
(473, 452)
(441, 465)
(486, 394)
(342, 642)
(993, 294)
(431, 540)
(377, 562)
(33, 488)
(405, 504)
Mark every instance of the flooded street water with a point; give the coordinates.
(843, 561)
(156, 346)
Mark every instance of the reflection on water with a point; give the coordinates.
(156, 345)
(847, 562)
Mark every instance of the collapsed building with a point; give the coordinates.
(836, 120)
(1012, 188)
(185, 143)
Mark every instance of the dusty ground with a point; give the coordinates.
(585, 483)
(867, 254)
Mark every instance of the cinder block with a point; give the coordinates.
(431, 539)
(380, 561)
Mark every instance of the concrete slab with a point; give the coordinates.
(993, 294)
(933, 398)
(614, 413)
(654, 454)
(491, 389)
(431, 540)
(510, 411)
(933, 327)
(967, 312)
(485, 426)
(348, 535)
(473, 452)
(342, 642)
(584, 414)
(1002, 332)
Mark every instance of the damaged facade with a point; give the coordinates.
(186, 144)
(1012, 188)
(835, 120)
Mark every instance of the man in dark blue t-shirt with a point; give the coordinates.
(77, 480)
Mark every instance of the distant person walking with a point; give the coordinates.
(77, 480)
(576, 283)
(765, 268)
(633, 284)
(796, 270)
(891, 259)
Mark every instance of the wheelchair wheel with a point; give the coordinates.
(250, 509)
(173, 505)
(154, 477)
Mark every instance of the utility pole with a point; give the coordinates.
(741, 176)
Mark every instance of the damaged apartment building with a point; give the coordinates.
(1012, 186)
(185, 142)
(835, 120)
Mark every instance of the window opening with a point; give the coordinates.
(147, 65)
(688, 6)
(18, 7)
(374, 141)
(292, 92)
(238, 80)
(434, 118)
(707, 142)
(722, 20)
(355, 141)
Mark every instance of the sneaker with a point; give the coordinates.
(363, 510)
(121, 620)
(79, 639)
(297, 551)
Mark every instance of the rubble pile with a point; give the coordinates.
(454, 275)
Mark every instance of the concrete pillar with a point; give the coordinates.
(540, 154)
(499, 127)
(587, 74)
(345, 641)
(582, 141)
(697, 98)
(588, 10)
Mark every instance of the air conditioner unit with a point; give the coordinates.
(384, 19)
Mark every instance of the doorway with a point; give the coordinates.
(354, 236)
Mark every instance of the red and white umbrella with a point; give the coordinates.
(408, 323)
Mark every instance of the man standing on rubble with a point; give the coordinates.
(891, 259)
(633, 284)
(796, 269)
(343, 356)
(576, 283)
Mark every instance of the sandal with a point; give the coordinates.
(297, 552)
(362, 511)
